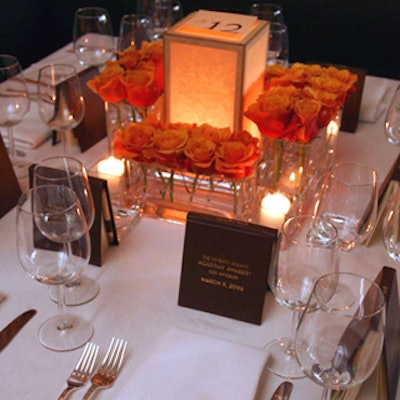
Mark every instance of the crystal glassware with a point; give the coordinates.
(307, 250)
(267, 12)
(14, 104)
(350, 201)
(392, 120)
(278, 44)
(339, 343)
(70, 172)
(60, 102)
(53, 247)
(93, 38)
(391, 227)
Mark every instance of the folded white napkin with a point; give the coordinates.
(186, 365)
(30, 132)
(375, 99)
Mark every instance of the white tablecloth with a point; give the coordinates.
(139, 288)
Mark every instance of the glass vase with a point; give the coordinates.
(162, 192)
(296, 170)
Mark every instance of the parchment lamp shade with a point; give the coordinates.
(212, 76)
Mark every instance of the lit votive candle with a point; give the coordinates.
(274, 207)
(111, 166)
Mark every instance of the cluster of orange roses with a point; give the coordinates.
(297, 101)
(137, 76)
(189, 147)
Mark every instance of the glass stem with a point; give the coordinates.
(64, 322)
(291, 346)
(11, 143)
(326, 394)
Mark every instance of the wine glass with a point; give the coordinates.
(339, 343)
(267, 12)
(93, 38)
(133, 30)
(278, 44)
(392, 120)
(60, 102)
(53, 247)
(14, 104)
(350, 201)
(391, 227)
(71, 173)
(307, 250)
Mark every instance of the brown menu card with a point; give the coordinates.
(9, 185)
(225, 266)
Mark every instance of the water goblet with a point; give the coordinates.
(392, 120)
(267, 12)
(53, 247)
(70, 172)
(133, 30)
(339, 343)
(278, 44)
(307, 250)
(93, 38)
(14, 104)
(350, 201)
(60, 102)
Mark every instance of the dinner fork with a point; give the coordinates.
(82, 370)
(109, 369)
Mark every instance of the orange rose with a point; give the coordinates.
(212, 133)
(200, 152)
(235, 158)
(169, 146)
(134, 141)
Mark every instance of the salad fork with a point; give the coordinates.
(82, 370)
(109, 369)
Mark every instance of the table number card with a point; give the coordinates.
(225, 266)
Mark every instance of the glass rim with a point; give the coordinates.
(322, 303)
(41, 163)
(14, 62)
(90, 12)
(333, 173)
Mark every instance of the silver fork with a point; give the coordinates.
(109, 369)
(82, 370)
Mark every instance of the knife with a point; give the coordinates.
(283, 391)
(9, 332)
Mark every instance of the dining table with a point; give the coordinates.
(140, 279)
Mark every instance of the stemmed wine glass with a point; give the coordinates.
(392, 119)
(14, 104)
(339, 343)
(71, 173)
(268, 12)
(350, 201)
(60, 101)
(307, 250)
(53, 247)
(93, 38)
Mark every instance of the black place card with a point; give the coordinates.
(103, 232)
(93, 126)
(225, 266)
(9, 185)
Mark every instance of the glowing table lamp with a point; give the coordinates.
(214, 68)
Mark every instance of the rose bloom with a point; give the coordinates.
(216, 135)
(235, 158)
(134, 140)
(169, 145)
(200, 153)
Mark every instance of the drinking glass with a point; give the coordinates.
(278, 44)
(391, 227)
(14, 104)
(307, 250)
(53, 247)
(60, 102)
(338, 345)
(71, 173)
(133, 30)
(350, 201)
(392, 120)
(93, 38)
(267, 12)
(162, 17)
